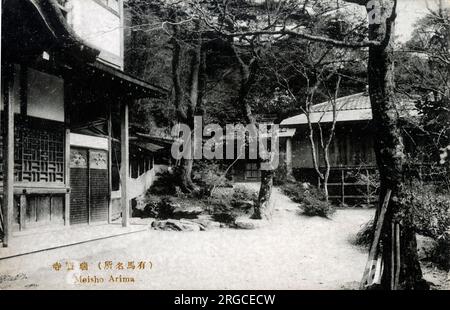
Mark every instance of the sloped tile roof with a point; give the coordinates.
(355, 107)
(353, 102)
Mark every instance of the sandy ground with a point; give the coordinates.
(290, 252)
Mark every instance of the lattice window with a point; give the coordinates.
(39, 151)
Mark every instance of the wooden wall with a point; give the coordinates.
(39, 149)
(352, 146)
(45, 95)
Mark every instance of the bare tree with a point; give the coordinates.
(320, 134)
(309, 72)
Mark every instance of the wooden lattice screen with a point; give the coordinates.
(39, 151)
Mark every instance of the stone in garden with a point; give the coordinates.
(207, 223)
(246, 223)
(176, 225)
(187, 212)
(214, 225)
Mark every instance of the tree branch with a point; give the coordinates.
(365, 43)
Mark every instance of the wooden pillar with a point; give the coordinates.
(343, 186)
(121, 30)
(89, 191)
(125, 163)
(67, 177)
(110, 150)
(23, 80)
(289, 156)
(67, 101)
(22, 211)
(8, 155)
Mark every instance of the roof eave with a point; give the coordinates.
(67, 39)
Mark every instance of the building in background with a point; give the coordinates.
(65, 102)
(351, 153)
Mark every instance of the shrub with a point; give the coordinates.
(222, 193)
(294, 191)
(160, 207)
(226, 217)
(243, 197)
(441, 254)
(365, 235)
(242, 193)
(431, 210)
(165, 208)
(311, 199)
(431, 214)
(208, 175)
(280, 175)
(314, 207)
(229, 207)
(151, 206)
(166, 182)
(222, 211)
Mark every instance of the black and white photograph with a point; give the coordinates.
(226, 145)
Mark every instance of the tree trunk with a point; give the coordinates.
(326, 175)
(325, 185)
(186, 111)
(389, 151)
(177, 55)
(186, 180)
(194, 97)
(263, 209)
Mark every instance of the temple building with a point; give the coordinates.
(65, 122)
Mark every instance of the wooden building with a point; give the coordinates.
(351, 153)
(61, 73)
(249, 170)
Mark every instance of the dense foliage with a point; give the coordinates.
(216, 197)
(310, 199)
(431, 212)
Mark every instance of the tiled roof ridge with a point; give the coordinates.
(341, 103)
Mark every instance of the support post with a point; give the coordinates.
(125, 163)
(23, 80)
(67, 177)
(22, 211)
(8, 155)
(366, 280)
(89, 192)
(67, 98)
(289, 156)
(110, 150)
(343, 186)
(122, 34)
